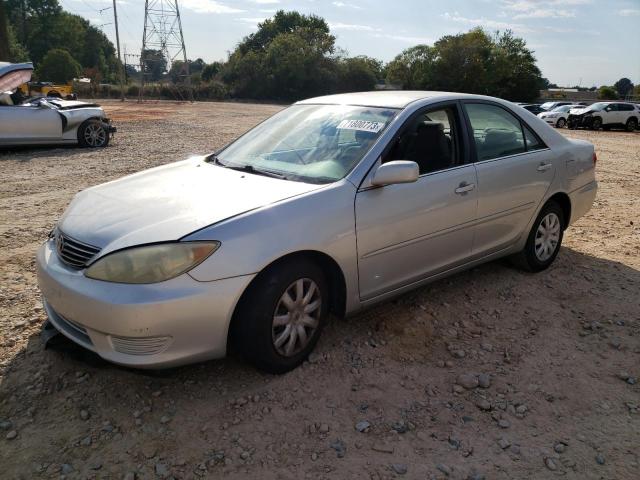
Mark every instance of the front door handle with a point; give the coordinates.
(464, 188)
(543, 167)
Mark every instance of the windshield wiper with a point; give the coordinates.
(245, 168)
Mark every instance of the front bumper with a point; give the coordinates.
(166, 324)
(578, 121)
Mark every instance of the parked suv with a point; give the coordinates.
(605, 115)
(558, 116)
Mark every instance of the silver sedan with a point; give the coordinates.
(331, 205)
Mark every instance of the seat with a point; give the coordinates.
(429, 147)
(498, 143)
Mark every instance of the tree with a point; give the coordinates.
(211, 70)
(357, 74)
(624, 87)
(154, 64)
(607, 93)
(58, 66)
(413, 68)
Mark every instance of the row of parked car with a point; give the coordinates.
(600, 115)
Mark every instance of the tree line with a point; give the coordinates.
(290, 56)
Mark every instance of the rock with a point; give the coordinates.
(6, 425)
(631, 380)
(11, 435)
(550, 464)
(86, 441)
(458, 388)
(399, 468)
(515, 449)
(382, 448)
(314, 357)
(97, 465)
(458, 353)
(314, 456)
(444, 469)
(487, 347)
(484, 380)
(483, 404)
(504, 423)
(130, 476)
(521, 409)
(165, 419)
(363, 426)
(84, 414)
(245, 455)
(66, 469)
(162, 469)
(468, 381)
(476, 476)
(600, 459)
(559, 447)
(149, 451)
(400, 427)
(504, 443)
(324, 428)
(340, 448)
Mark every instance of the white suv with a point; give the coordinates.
(605, 115)
(558, 116)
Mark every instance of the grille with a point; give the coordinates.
(72, 252)
(139, 345)
(73, 329)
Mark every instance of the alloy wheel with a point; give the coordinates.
(296, 317)
(547, 237)
(95, 135)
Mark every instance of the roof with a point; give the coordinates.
(379, 98)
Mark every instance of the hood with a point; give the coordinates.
(166, 203)
(71, 104)
(12, 75)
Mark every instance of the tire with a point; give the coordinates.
(632, 124)
(532, 258)
(263, 319)
(93, 134)
(596, 124)
(54, 95)
(561, 123)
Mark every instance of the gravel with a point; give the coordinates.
(548, 376)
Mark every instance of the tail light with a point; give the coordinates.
(595, 157)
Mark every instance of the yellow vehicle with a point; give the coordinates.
(47, 89)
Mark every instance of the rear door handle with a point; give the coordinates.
(543, 167)
(464, 188)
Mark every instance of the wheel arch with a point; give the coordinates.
(335, 278)
(562, 199)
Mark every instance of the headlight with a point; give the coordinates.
(152, 263)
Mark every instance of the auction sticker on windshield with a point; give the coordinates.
(362, 125)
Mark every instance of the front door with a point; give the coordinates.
(26, 122)
(407, 232)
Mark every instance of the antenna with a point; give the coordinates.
(162, 32)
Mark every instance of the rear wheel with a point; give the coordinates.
(632, 124)
(280, 317)
(544, 240)
(93, 134)
(561, 123)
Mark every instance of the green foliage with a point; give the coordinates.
(607, 93)
(471, 62)
(42, 26)
(624, 86)
(357, 74)
(154, 64)
(210, 71)
(58, 66)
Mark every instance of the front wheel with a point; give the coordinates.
(597, 123)
(561, 123)
(93, 134)
(544, 240)
(280, 317)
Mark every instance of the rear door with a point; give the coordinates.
(410, 231)
(514, 171)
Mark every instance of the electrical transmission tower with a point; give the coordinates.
(162, 42)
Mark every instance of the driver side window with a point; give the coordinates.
(430, 139)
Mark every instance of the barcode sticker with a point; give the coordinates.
(363, 125)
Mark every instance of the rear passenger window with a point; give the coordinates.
(497, 133)
(532, 140)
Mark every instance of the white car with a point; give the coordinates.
(558, 116)
(605, 115)
(47, 121)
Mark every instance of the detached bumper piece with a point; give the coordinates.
(579, 121)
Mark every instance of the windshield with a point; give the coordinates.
(563, 108)
(309, 143)
(547, 105)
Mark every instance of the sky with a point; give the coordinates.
(576, 42)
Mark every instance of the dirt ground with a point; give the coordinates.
(559, 352)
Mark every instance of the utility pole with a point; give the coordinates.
(163, 33)
(115, 18)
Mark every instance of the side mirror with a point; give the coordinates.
(397, 171)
